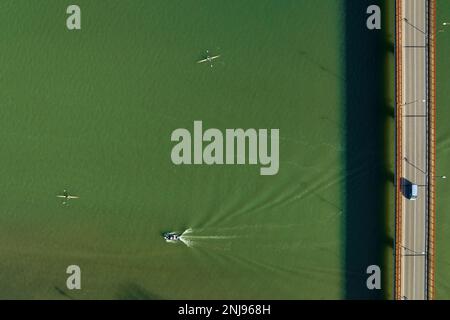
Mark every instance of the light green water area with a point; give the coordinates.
(92, 111)
(443, 152)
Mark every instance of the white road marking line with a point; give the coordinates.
(415, 149)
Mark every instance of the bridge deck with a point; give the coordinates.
(413, 148)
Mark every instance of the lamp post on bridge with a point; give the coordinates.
(409, 23)
(414, 253)
(411, 102)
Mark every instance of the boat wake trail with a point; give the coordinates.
(190, 239)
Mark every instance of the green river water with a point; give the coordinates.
(92, 111)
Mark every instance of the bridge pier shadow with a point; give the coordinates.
(366, 115)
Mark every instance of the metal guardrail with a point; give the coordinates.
(427, 119)
(398, 150)
(432, 149)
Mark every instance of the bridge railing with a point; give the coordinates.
(398, 149)
(432, 149)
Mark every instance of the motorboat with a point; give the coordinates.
(171, 236)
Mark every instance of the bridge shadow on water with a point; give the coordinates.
(366, 116)
(133, 291)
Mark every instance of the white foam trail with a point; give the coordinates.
(210, 237)
(188, 239)
(187, 231)
(187, 242)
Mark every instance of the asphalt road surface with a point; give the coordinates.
(414, 149)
